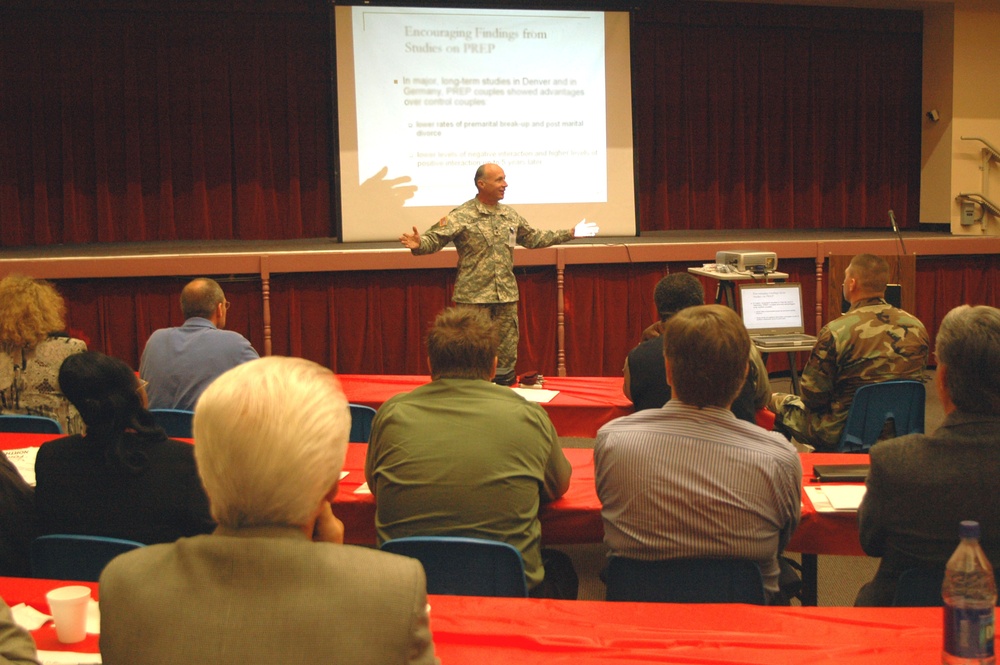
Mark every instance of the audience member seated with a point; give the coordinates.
(124, 478)
(690, 479)
(462, 456)
(274, 583)
(645, 379)
(920, 486)
(179, 363)
(872, 342)
(33, 344)
(16, 644)
(18, 525)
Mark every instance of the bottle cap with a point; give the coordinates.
(968, 529)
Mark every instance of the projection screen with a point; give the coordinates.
(426, 95)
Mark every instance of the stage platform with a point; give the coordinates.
(231, 257)
(119, 291)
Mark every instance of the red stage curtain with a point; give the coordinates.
(758, 116)
(374, 322)
(201, 120)
(160, 124)
(117, 316)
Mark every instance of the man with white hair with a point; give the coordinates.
(274, 583)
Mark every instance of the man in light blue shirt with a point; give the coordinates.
(179, 363)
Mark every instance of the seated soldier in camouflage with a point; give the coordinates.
(872, 342)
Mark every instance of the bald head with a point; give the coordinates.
(491, 182)
(202, 297)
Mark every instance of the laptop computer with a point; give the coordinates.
(772, 314)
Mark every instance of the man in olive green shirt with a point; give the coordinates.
(461, 456)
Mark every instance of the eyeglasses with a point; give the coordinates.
(142, 385)
(227, 304)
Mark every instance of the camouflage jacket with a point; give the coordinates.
(872, 342)
(485, 255)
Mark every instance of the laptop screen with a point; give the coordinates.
(772, 309)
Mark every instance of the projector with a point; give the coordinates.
(744, 260)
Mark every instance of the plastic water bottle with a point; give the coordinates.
(970, 594)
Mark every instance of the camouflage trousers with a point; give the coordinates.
(822, 432)
(504, 315)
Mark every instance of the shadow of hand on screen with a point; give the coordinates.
(381, 193)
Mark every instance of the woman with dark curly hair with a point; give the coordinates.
(33, 344)
(124, 478)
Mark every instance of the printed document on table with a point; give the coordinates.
(835, 498)
(23, 460)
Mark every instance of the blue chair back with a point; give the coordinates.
(24, 424)
(874, 405)
(361, 423)
(465, 566)
(175, 422)
(685, 581)
(75, 557)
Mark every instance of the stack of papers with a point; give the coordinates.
(836, 498)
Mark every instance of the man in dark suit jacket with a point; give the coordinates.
(274, 583)
(921, 486)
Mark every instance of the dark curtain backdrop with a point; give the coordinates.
(120, 125)
(756, 116)
(203, 120)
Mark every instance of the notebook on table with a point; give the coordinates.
(841, 473)
(772, 314)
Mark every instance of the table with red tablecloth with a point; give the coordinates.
(583, 404)
(576, 516)
(500, 631)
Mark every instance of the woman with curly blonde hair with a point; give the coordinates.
(33, 345)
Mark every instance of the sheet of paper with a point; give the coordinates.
(23, 460)
(68, 658)
(818, 499)
(364, 489)
(540, 395)
(835, 498)
(844, 497)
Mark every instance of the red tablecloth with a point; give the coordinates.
(573, 518)
(501, 631)
(576, 516)
(583, 404)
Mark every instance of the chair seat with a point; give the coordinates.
(465, 566)
(685, 581)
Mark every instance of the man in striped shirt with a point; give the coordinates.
(690, 479)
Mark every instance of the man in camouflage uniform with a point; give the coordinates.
(485, 232)
(872, 342)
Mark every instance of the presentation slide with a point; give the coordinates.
(778, 306)
(426, 95)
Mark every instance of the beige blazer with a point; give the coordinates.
(263, 595)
